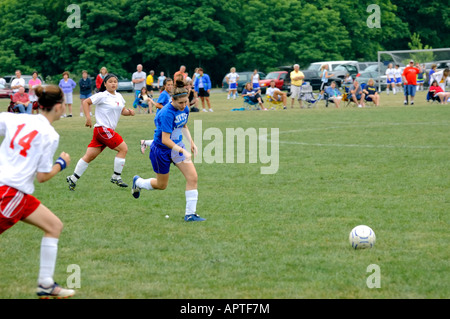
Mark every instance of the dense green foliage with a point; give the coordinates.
(214, 34)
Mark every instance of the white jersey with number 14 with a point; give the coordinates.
(28, 147)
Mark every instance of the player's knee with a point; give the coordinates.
(192, 180)
(123, 149)
(56, 228)
(161, 185)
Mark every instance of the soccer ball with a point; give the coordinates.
(362, 237)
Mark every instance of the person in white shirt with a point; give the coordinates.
(2, 83)
(232, 80)
(110, 105)
(442, 77)
(398, 77)
(255, 79)
(27, 151)
(17, 82)
(276, 94)
(138, 78)
(390, 79)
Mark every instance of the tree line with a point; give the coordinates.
(58, 35)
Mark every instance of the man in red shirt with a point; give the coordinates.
(182, 71)
(22, 101)
(410, 80)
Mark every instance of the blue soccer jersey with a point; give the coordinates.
(163, 99)
(170, 120)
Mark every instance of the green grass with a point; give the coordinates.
(266, 236)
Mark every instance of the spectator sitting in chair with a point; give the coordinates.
(254, 95)
(276, 94)
(442, 77)
(334, 95)
(371, 93)
(357, 94)
(22, 101)
(146, 101)
(438, 92)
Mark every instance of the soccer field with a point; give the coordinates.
(276, 236)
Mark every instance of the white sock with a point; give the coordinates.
(49, 250)
(118, 167)
(148, 142)
(387, 91)
(145, 183)
(79, 170)
(191, 201)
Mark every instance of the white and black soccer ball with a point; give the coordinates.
(362, 237)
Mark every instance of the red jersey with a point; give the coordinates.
(99, 81)
(410, 73)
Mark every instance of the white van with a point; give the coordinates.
(340, 68)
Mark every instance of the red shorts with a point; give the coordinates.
(15, 206)
(104, 136)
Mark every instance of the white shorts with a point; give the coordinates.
(68, 98)
(295, 91)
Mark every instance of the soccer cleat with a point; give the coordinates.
(55, 292)
(119, 182)
(193, 218)
(135, 191)
(143, 146)
(72, 184)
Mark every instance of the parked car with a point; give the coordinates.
(441, 65)
(374, 68)
(363, 65)
(342, 70)
(125, 84)
(278, 76)
(8, 79)
(383, 78)
(364, 77)
(244, 77)
(5, 93)
(348, 67)
(311, 76)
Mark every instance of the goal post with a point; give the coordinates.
(441, 57)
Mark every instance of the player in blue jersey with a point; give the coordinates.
(165, 95)
(168, 148)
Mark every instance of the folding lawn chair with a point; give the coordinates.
(307, 95)
(11, 106)
(278, 105)
(250, 105)
(432, 97)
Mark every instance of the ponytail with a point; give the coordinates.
(180, 89)
(49, 96)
